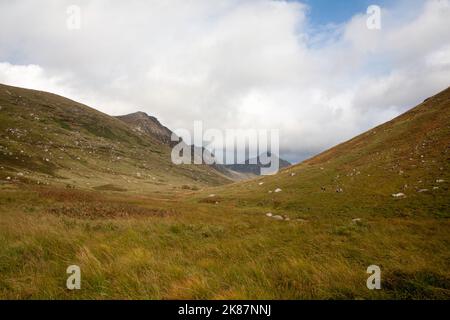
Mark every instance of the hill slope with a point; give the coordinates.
(45, 138)
(409, 155)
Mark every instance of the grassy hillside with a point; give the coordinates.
(408, 155)
(48, 139)
(336, 214)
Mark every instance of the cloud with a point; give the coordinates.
(30, 76)
(232, 64)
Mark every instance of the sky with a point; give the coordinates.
(312, 68)
(322, 12)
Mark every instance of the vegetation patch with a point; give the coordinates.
(110, 187)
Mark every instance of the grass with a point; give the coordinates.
(187, 250)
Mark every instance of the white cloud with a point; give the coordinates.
(233, 64)
(30, 76)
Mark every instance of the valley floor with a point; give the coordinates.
(190, 246)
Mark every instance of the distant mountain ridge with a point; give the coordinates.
(143, 124)
(254, 165)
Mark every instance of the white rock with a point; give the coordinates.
(278, 217)
(269, 214)
(20, 174)
(356, 220)
(277, 190)
(8, 178)
(261, 183)
(422, 190)
(440, 180)
(292, 174)
(212, 195)
(398, 195)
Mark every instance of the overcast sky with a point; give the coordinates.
(311, 69)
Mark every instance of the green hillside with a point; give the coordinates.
(48, 139)
(409, 155)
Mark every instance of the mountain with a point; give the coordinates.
(144, 124)
(253, 166)
(46, 138)
(401, 167)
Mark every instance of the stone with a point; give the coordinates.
(398, 195)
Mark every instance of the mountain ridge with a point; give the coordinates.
(46, 138)
(144, 123)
